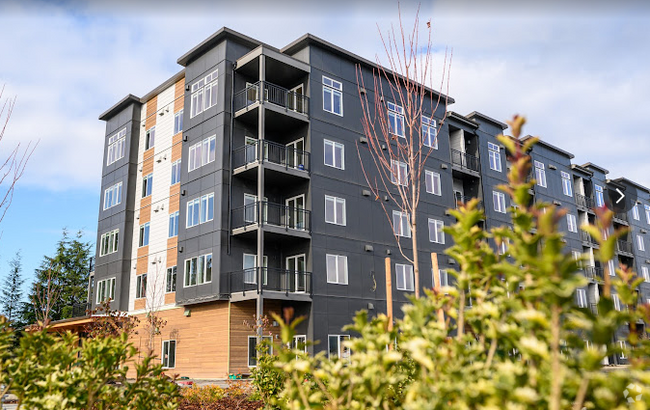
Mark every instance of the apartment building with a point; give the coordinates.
(235, 189)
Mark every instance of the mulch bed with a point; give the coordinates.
(227, 403)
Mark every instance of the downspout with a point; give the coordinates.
(232, 124)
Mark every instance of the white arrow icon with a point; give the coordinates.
(621, 194)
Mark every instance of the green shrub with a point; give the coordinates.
(202, 395)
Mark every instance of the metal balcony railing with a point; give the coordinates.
(621, 217)
(624, 246)
(261, 279)
(460, 199)
(587, 238)
(272, 214)
(80, 310)
(594, 273)
(584, 201)
(274, 94)
(465, 160)
(273, 152)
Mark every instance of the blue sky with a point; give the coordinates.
(577, 71)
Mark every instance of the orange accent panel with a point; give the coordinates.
(142, 265)
(148, 154)
(145, 212)
(174, 198)
(196, 356)
(177, 148)
(139, 304)
(179, 95)
(170, 298)
(172, 255)
(152, 108)
(147, 165)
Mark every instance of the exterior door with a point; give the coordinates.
(296, 270)
(296, 154)
(252, 93)
(250, 208)
(296, 102)
(250, 269)
(250, 152)
(295, 214)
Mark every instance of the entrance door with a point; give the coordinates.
(296, 102)
(296, 270)
(250, 152)
(252, 93)
(250, 208)
(250, 269)
(295, 212)
(296, 154)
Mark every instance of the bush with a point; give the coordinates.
(239, 395)
(522, 344)
(202, 395)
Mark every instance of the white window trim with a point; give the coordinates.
(116, 147)
(248, 348)
(176, 166)
(145, 227)
(113, 244)
(405, 233)
(645, 273)
(540, 174)
(640, 244)
(398, 177)
(334, 201)
(204, 213)
(147, 185)
(440, 234)
(333, 146)
(567, 188)
(599, 197)
(581, 298)
(431, 125)
(339, 279)
(162, 354)
(499, 200)
(436, 183)
(398, 112)
(175, 217)
(105, 288)
(139, 292)
(646, 208)
(201, 270)
(406, 269)
(114, 191)
(572, 223)
(200, 91)
(204, 158)
(167, 279)
(334, 90)
(341, 339)
(617, 302)
(494, 151)
(635, 212)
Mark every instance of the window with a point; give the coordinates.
(399, 172)
(581, 298)
(337, 269)
(404, 277)
(334, 154)
(401, 226)
(499, 200)
(623, 345)
(635, 212)
(647, 213)
(116, 147)
(200, 210)
(645, 273)
(332, 96)
(336, 348)
(176, 172)
(495, 157)
(147, 185)
(432, 182)
(540, 174)
(113, 196)
(577, 256)
(566, 183)
(299, 343)
(600, 198)
(617, 302)
(144, 235)
(435, 231)
(202, 153)
(639, 243)
(168, 357)
(503, 247)
(108, 242)
(170, 280)
(429, 133)
(250, 269)
(334, 210)
(252, 349)
(150, 138)
(572, 223)
(105, 290)
(141, 286)
(173, 224)
(204, 94)
(178, 122)
(198, 270)
(395, 119)
(611, 267)
(441, 279)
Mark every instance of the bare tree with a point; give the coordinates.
(400, 127)
(13, 167)
(44, 300)
(155, 298)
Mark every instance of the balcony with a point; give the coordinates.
(464, 161)
(624, 247)
(278, 157)
(594, 308)
(621, 218)
(79, 310)
(584, 202)
(594, 273)
(276, 95)
(588, 239)
(275, 218)
(461, 200)
(292, 284)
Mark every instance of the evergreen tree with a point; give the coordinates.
(11, 292)
(68, 272)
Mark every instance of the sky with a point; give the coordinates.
(577, 70)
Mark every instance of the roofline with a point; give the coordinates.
(487, 118)
(551, 146)
(582, 169)
(169, 82)
(629, 181)
(218, 36)
(460, 118)
(308, 39)
(119, 106)
(596, 167)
